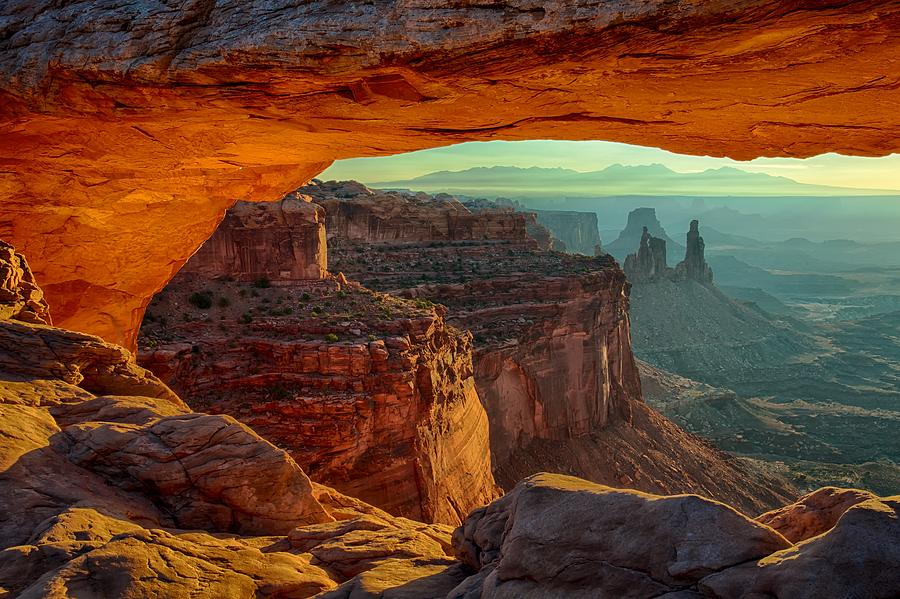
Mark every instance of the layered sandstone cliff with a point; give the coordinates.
(357, 213)
(283, 240)
(368, 393)
(553, 360)
(110, 482)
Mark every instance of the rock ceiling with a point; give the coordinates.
(127, 129)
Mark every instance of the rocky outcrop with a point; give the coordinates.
(694, 266)
(635, 545)
(815, 513)
(99, 488)
(631, 238)
(857, 557)
(578, 231)
(278, 241)
(370, 394)
(649, 263)
(357, 213)
(20, 297)
(628, 544)
(553, 363)
(85, 511)
(125, 138)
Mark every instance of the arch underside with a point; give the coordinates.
(122, 147)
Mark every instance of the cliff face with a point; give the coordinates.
(370, 394)
(282, 240)
(20, 297)
(126, 130)
(577, 230)
(553, 363)
(553, 357)
(361, 214)
(109, 481)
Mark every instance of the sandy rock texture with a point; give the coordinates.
(283, 240)
(108, 481)
(370, 394)
(635, 545)
(126, 130)
(552, 344)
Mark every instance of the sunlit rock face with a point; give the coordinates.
(127, 129)
(370, 394)
(552, 348)
(277, 241)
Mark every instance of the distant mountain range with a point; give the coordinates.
(652, 179)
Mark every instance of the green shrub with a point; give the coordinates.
(331, 337)
(224, 302)
(262, 283)
(246, 318)
(201, 299)
(305, 297)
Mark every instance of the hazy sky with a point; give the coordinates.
(827, 169)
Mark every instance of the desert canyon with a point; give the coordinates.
(325, 390)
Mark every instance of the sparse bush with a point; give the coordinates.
(201, 299)
(305, 297)
(331, 337)
(246, 318)
(262, 283)
(224, 302)
(279, 392)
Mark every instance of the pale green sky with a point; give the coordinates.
(827, 169)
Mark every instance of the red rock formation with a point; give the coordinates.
(553, 361)
(814, 513)
(97, 482)
(370, 394)
(357, 213)
(127, 131)
(20, 297)
(282, 240)
(85, 511)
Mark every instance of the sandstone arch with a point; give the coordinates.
(126, 130)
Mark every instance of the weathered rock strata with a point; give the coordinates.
(283, 240)
(77, 529)
(370, 394)
(553, 361)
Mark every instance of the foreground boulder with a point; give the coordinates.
(558, 536)
(859, 557)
